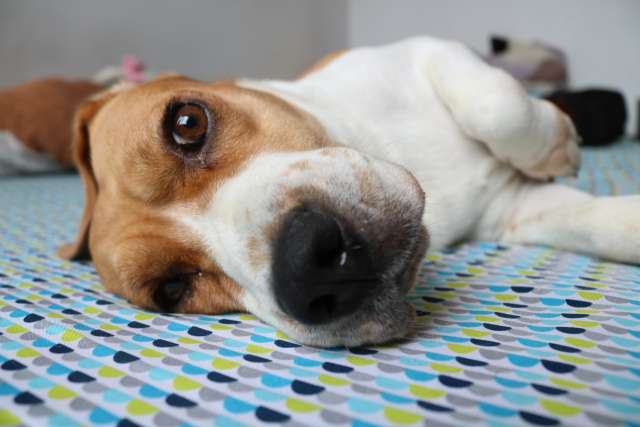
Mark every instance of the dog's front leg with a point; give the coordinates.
(490, 106)
(565, 218)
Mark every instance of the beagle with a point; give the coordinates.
(311, 203)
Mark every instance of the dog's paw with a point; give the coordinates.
(562, 157)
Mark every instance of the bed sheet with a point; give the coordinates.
(506, 335)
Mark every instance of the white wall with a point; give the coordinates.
(208, 39)
(601, 38)
(205, 39)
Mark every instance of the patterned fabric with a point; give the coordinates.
(505, 336)
(612, 169)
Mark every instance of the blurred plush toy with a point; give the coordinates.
(131, 69)
(541, 68)
(36, 117)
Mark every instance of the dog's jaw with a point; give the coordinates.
(382, 201)
(392, 322)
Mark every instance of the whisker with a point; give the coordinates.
(420, 181)
(367, 144)
(395, 142)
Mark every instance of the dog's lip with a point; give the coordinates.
(353, 331)
(395, 270)
(355, 293)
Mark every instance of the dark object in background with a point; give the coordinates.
(599, 115)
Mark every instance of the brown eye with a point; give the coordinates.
(189, 125)
(170, 292)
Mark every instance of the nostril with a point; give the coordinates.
(323, 307)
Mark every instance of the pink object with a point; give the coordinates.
(133, 69)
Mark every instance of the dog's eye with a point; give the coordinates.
(170, 292)
(190, 124)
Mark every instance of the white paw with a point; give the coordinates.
(562, 158)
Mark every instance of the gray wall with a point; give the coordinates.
(208, 39)
(205, 39)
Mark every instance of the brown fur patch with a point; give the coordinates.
(258, 258)
(302, 165)
(323, 62)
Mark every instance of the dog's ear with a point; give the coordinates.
(82, 159)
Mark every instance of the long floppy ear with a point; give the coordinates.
(82, 158)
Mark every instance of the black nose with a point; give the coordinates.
(321, 272)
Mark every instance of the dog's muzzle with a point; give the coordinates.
(321, 270)
(326, 244)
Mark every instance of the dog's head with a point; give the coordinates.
(212, 198)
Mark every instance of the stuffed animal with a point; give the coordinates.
(539, 67)
(35, 124)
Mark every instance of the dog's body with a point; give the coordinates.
(285, 199)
